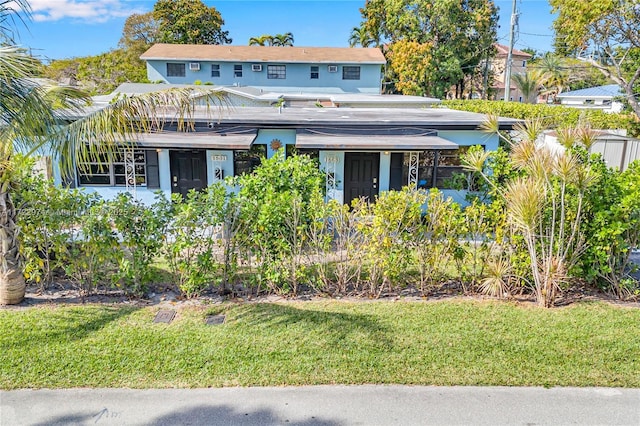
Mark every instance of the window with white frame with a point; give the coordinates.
(277, 72)
(112, 171)
(176, 69)
(215, 70)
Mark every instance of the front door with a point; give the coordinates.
(361, 170)
(188, 170)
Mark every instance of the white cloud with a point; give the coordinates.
(82, 10)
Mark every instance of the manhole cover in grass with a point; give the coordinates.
(215, 320)
(165, 316)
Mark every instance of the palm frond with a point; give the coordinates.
(104, 131)
(567, 136)
(525, 200)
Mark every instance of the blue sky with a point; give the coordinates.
(67, 28)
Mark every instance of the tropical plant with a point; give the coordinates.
(285, 39)
(555, 72)
(192, 237)
(263, 40)
(530, 84)
(141, 229)
(29, 123)
(360, 36)
(545, 206)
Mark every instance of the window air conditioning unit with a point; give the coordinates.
(256, 67)
(194, 66)
(332, 68)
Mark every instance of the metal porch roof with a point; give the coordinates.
(373, 142)
(206, 140)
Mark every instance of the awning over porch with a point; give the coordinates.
(373, 142)
(197, 140)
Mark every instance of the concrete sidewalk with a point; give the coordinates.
(323, 405)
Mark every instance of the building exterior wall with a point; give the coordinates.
(297, 76)
(330, 162)
(499, 66)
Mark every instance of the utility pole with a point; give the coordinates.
(507, 75)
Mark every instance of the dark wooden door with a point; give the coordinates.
(188, 170)
(361, 170)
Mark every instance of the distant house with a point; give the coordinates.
(519, 61)
(600, 97)
(289, 69)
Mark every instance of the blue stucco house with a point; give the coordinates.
(365, 142)
(289, 69)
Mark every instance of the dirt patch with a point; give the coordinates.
(165, 295)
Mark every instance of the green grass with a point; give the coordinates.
(435, 343)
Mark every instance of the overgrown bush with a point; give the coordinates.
(192, 237)
(612, 227)
(276, 211)
(92, 250)
(141, 230)
(389, 227)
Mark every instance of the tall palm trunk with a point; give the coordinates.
(12, 284)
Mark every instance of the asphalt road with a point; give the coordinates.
(323, 405)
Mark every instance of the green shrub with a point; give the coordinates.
(277, 202)
(141, 229)
(555, 115)
(192, 237)
(611, 227)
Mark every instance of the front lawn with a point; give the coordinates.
(296, 343)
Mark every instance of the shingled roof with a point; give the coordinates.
(290, 54)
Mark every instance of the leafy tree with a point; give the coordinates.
(533, 52)
(104, 72)
(29, 123)
(457, 35)
(100, 73)
(610, 29)
(139, 33)
(189, 22)
(420, 70)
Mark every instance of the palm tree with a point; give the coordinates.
(529, 83)
(29, 123)
(263, 40)
(554, 69)
(361, 37)
(285, 39)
